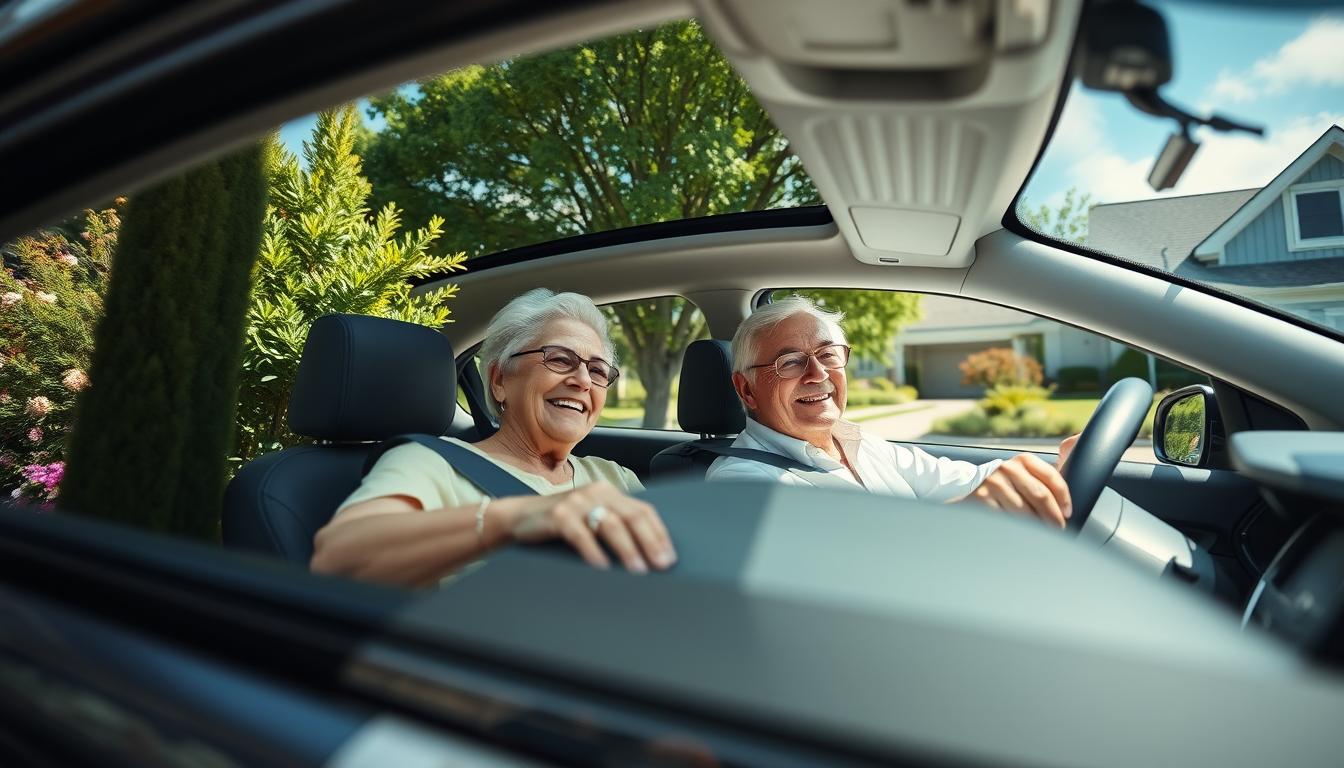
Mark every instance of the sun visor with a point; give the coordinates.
(900, 230)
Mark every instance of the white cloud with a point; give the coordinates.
(1315, 57)
(1224, 162)
(1230, 88)
(1079, 125)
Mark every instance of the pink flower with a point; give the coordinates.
(35, 435)
(6, 460)
(37, 407)
(49, 298)
(75, 380)
(10, 298)
(68, 259)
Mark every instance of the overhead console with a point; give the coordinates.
(1300, 595)
(918, 120)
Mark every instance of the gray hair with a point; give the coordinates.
(746, 341)
(516, 327)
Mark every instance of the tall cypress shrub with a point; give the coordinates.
(151, 433)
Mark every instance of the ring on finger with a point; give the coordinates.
(595, 517)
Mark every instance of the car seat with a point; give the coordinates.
(361, 381)
(707, 405)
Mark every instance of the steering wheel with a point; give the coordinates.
(1110, 431)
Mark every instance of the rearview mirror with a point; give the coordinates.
(1185, 425)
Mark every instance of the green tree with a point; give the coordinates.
(51, 299)
(322, 252)
(872, 318)
(1068, 222)
(645, 127)
(150, 432)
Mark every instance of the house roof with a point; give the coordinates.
(1161, 232)
(1213, 245)
(1276, 274)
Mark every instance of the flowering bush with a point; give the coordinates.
(51, 298)
(1000, 366)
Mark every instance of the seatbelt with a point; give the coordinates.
(472, 386)
(813, 476)
(478, 470)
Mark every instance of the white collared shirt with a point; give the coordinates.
(884, 467)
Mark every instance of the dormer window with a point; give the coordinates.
(1315, 215)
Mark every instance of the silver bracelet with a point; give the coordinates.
(480, 517)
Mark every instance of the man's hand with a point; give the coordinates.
(1065, 448)
(1028, 485)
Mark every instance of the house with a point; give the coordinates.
(1282, 245)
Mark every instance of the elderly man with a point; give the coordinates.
(789, 370)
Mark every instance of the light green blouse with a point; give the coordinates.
(420, 473)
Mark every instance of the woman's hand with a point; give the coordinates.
(581, 517)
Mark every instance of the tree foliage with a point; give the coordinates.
(150, 432)
(1067, 222)
(51, 299)
(322, 252)
(872, 318)
(645, 127)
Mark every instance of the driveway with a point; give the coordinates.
(917, 422)
(916, 425)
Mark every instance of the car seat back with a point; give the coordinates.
(707, 405)
(361, 381)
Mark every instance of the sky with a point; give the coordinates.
(1283, 70)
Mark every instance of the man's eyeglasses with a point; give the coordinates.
(791, 365)
(565, 360)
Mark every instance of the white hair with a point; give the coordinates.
(746, 341)
(517, 326)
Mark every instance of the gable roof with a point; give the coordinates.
(1213, 245)
(1161, 232)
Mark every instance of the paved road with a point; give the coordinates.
(916, 425)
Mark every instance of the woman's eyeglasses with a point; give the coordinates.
(565, 360)
(791, 365)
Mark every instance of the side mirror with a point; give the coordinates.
(1187, 429)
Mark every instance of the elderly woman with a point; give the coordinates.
(413, 520)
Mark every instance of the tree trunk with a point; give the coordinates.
(657, 373)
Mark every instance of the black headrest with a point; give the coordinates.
(371, 378)
(707, 404)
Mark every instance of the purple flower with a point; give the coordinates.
(35, 434)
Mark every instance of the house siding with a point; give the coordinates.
(1266, 238)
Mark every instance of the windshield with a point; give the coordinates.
(1260, 217)
(645, 127)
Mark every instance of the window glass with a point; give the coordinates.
(1256, 216)
(940, 369)
(649, 126)
(651, 335)
(1319, 215)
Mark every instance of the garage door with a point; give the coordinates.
(939, 374)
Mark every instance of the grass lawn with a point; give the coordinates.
(1080, 409)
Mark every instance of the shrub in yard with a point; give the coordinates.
(1000, 365)
(51, 298)
(1009, 398)
(321, 253)
(1078, 378)
(866, 394)
(908, 392)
